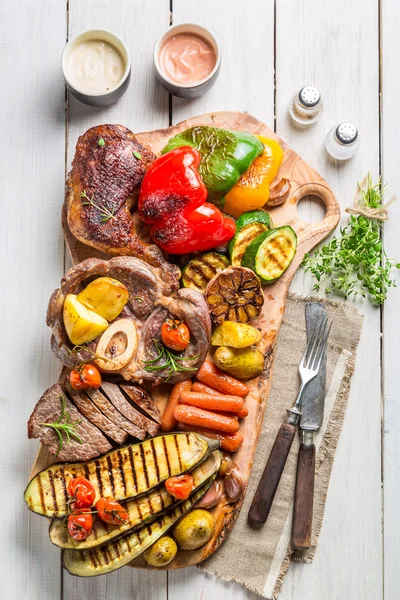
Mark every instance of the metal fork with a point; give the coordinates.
(308, 369)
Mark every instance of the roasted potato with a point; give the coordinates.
(81, 324)
(105, 296)
(235, 335)
(194, 529)
(161, 552)
(242, 363)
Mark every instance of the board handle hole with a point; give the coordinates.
(311, 208)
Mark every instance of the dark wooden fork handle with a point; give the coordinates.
(264, 496)
(303, 498)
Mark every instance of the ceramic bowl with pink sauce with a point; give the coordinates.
(187, 60)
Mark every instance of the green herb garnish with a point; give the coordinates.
(356, 263)
(137, 155)
(106, 214)
(101, 142)
(67, 428)
(169, 361)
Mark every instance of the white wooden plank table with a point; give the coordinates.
(269, 50)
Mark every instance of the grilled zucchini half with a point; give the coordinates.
(122, 473)
(248, 226)
(141, 511)
(200, 270)
(270, 254)
(118, 553)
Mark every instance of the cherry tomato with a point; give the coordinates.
(80, 524)
(82, 493)
(111, 511)
(175, 334)
(85, 377)
(180, 487)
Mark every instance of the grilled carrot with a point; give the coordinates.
(203, 388)
(243, 413)
(230, 442)
(212, 401)
(217, 379)
(206, 389)
(191, 415)
(168, 423)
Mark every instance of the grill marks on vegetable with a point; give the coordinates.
(116, 554)
(123, 473)
(141, 511)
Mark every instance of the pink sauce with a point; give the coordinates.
(187, 58)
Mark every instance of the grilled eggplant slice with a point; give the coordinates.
(200, 270)
(122, 473)
(143, 510)
(116, 554)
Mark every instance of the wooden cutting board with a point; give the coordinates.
(304, 182)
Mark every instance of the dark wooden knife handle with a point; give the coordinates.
(264, 496)
(303, 498)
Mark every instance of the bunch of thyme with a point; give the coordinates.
(356, 263)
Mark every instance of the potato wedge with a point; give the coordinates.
(235, 335)
(81, 324)
(105, 296)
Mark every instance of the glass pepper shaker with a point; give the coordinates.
(306, 105)
(342, 142)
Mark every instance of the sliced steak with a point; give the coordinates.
(48, 410)
(103, 404)
(117, 398)
(141, 398)
(90, 410)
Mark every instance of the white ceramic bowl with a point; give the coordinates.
(186, 90)
(99, 99)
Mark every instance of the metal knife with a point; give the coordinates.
(312, 415)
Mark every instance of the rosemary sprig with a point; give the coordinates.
(106, 214)
(169, 361)
(67, 428)
(137, 154)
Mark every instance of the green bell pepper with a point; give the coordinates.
(225, 156)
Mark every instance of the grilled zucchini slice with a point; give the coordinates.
(122, 473)
(200, 270)
(114, 555)
(248, 226)
(270, 254)
(141, 511)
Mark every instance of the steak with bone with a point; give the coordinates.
(102, 189)
(151, 301)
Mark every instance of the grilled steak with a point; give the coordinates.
(147, 286)
(103, 404)
(109, 176)
(48, 410)
(95, 415)
(118, 399)
(141, 398)
(190, 308)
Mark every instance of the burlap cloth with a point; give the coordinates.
(259, 559)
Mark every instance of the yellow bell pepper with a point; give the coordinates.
(252, 189)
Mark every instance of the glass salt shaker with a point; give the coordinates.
(342, 142)
(306, 105)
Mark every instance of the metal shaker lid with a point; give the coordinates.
(309, 96)
(346, 133)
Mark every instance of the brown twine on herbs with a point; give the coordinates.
(380, 214)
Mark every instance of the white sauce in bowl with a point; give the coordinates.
(95, 67)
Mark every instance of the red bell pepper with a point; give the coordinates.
(173, 199)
